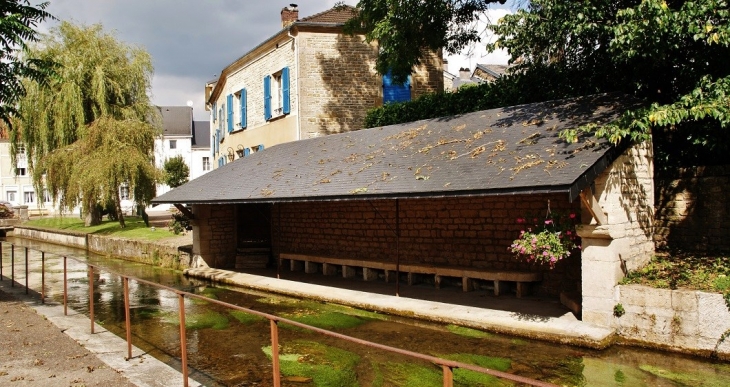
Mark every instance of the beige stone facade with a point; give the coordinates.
(332, 82)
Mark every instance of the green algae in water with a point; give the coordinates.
(473, 378)
(467, 332)
(327, 366)
(246, 318)
(212, 320)
(519, 342)
(412, 375)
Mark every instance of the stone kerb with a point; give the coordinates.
(680, 320)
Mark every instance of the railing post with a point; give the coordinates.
(12, 265)
(448, 376)
(275, 352)
(91, 297)
(43, 277)
(65, 289)
(26, 270)
(1, 261)
(128, 322)
(183, 339)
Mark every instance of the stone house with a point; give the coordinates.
(307, 80)
(437, 194)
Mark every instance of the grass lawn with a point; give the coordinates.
(135, 227)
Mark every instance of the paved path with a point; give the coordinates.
(39, 346)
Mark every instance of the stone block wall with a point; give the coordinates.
(338, 82)
(624, 192)
(692, 210)
(429, 76)
(474, 232)
(682, 320)
(214, 234)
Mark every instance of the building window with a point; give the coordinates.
(240, 100)
(206, 163)
(276, 94)
(46, 196)
(20, 172)
(124, 192)
(29, 197)
(11, 196)
(173, 144)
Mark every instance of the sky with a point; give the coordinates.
(191, 41)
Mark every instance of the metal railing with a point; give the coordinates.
(447, 366)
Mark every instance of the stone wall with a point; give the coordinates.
(693, 209)
(680, 320)
(474, 232)
(148, 252)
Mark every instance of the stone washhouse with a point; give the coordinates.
(441, 194)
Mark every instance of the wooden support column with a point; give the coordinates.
(591, 204)
(184, 210)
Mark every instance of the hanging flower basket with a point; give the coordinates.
(546, 241)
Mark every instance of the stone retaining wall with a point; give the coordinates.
(680, 320)
(692, 210)
(148, 252)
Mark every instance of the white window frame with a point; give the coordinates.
(29, 197)
(277, 95)
(124, 192)
(46, 196)
(12, 195)
(21, 171)
(173, 144)
(206, 163)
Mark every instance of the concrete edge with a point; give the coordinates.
(533, 327)
(143, 370)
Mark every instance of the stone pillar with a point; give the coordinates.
(625, 193)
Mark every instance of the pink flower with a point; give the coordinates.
(548, 221)
(568, 232)
(545, 253)
(572, 215)
(520, 220)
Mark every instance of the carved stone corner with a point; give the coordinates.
(596, 231)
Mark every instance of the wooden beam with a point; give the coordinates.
(184, 210)
(591, 204)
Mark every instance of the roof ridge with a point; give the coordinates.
(336, 8)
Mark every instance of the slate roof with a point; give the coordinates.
(176, 120)
(201, 134)
(513, 150)
(335, 15)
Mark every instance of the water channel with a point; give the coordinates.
(228, 348)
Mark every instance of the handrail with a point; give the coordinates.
(447, 365)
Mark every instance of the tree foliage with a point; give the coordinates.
(404, 28)
(176, 171)
(18, 20)
(673, 55)
(93, 128)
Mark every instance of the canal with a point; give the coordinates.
(232, 348)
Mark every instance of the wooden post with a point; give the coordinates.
(127, 317)
(91, 297)
(183, 340)
(275, 353)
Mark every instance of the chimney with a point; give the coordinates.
(464, 73)
(446, 64)
(289, 15)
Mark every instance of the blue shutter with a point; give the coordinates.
(243, 109)
(220, 118)
(285, 104)
(261, 147)
(246, 152)
(229, 112)
(267, 97)
(215, 116)
(217, 140)
(212, 147)
(393, 92)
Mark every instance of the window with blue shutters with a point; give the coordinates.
(267, 97)
(215, 111)
(229, 112)
(246, 152)
(242, 99)
(261, 147)
(393, 92)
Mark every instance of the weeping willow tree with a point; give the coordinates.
(93, 128)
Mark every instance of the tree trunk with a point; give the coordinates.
(118, 209)
(92, 215)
